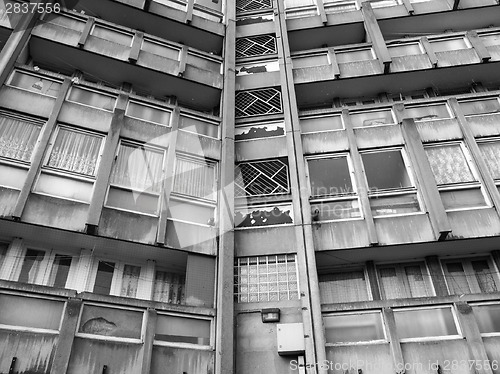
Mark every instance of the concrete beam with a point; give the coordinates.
(395, 346)
(373, 30)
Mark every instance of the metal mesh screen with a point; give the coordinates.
(261, 178)
(255, 46)
(258, 102)
(249, 5)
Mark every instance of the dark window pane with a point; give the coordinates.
(104, 277)
(329, 176)
(31, 266)
(385, 170)
(60, 270)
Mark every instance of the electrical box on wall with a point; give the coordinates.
(290, 339)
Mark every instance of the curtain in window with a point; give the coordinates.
(138, 168)
(392, 286)
(130, 280)
(194, 178)
(17, 138)
(456, 279)
(3, 253)
(484, 276)
(60, 270)
(75, 152)
(31, 266)
(491, 154)
(169, 288)
(343, 287)
(449, 165)
(417, 282)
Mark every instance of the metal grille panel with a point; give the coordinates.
(249, 5)
(255, 46)
(261, 178)
(266, 278)
(258, 102)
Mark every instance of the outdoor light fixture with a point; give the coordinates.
(270, 315)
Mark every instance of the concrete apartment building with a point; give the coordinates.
(214, 187)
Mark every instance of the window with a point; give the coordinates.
(483, 106)
(404, 49)
(130, 280)
(343, 286)
(31, 266)
(391, 188)
(259, 178)
(110, 322)
(490, 39)
(353, 328)
(456, 177)
(104, 278)
(259, 131)
(490, 149)
(18, 136)
(112, 35)
(3, 252)
(199, 126)
(169, 287)
(195, 177)
(404, 280)
(428, 112)
(148, 113)
(311, 125)
(372, 118)
(464, 276)
(488, 318)
(30, 312)
(258, 102)
(449, 44)
(266, 278)
(35, 83)
(262, 215)
(136, 179)
(355, 55)
(425, 323)
(162, 49)
(181, 329)
(59, 271)
(92, 98)
(256, 46)
(332, 190)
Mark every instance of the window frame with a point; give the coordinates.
(362, 342)
(197, 160)
(261, 124)
(313, 116)
(486, 303)
(476, 99)
(248, 209)
(402, 277)
(469, 273)
(113, 29)
(33, 74)
(131, 189)
(403, 43)
(84, 335)
(431, 104)
(91, 89)
(450, 38)
(347, 269)
(463, 185)
(142, 103)
(375, 110)
(352, 196)
(201, 119)
(451, 307)
(347, 50)
(187, 200)
(480, 141)
(388, 192)
(200, 347)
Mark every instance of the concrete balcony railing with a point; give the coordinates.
(125, 55)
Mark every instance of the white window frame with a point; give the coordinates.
(211, 122)
(478, 100)
(37, 75)
(112, 29)
(356, 49)
(34, 329)
(131, 189)
(487, 334)
(467, 185)
(490, 140)
(397, 191)
(347, 269)
(187, 200)
(202, 161)
(450, 38)
(85, 88)
(354, 195)
(401, 276)
(111, 338)
(393, 116)
(141, 103)
(362, 342)
(162, 43)
(438, 337)
(188, 345)
(470, 275)
(404, 44)
(320, 116)
(430, 104)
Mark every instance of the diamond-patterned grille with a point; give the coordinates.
(261, 178)
(258, 102)
(248, 5)
(255, 46)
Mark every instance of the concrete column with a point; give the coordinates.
(375, 35)
(149, 335)
(392, 335)
(13, 260)
(66, 337)
(373, 280)
(437, 276)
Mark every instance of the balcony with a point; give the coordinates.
(116, 54)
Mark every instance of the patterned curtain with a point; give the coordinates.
(343, 287)
(456, 279)
(194, 179)
(17, 138)
(392, 286)
(484, 276)
(169, 288)
(418, 285)
(138, 168)
(76, 152)
(130, 280)
(491, 154)
(449, 165)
